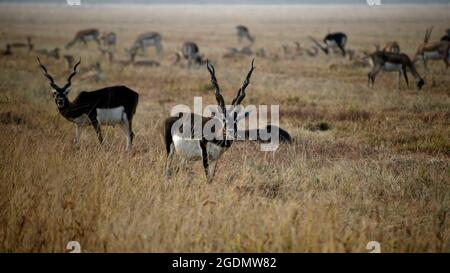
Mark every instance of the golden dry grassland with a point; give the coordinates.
(381, 172)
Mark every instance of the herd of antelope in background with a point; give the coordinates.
(116, 105)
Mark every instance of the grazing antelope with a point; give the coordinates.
(391, 62)
(84, 36)
(147, 39)
(332, 41)
(210, 146)
(54, 53)
(446, 37)
(109, 39)
(28, 44)
(107, 106)
(190, 52)
(433, 50)
(244, 33)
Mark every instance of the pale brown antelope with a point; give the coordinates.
(244, 33)
(332, 42)
(393, 62)
(212, 135)
(84, 36)
(190, 52)
(439, 50)
(107, 106)
(146, 40)
(27, 45)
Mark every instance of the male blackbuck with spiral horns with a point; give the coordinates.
(107, 106)
(212, 135)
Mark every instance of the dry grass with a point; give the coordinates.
(380, 172)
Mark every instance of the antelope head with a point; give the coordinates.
(230, 117)
(60, 93)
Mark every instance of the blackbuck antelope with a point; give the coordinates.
(85, 36)
(333, 41)
(212, 135)
(27, 45)
(107, 106)
(244, 33)
(392, 62)
(446, 37)
(146, 40)
(439, 50)
(190, 52)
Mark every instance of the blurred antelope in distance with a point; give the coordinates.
(439, 50)
(115, 105)
(333, 41)
(393, 62)
(244, 33)
(214, 140)
(85, 36)
(146, 40)
(54, 53)
(28, 44)
(190, 52)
